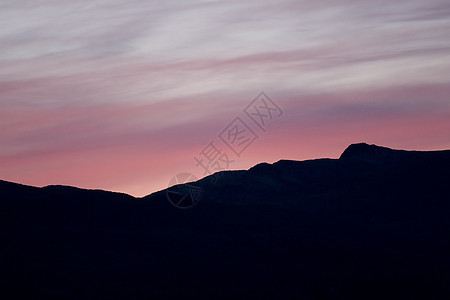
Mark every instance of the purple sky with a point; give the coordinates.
(121, 95)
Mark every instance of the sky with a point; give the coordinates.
(124, 95)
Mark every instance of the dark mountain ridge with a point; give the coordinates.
(373, 223)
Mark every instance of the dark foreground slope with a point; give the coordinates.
(372, 224)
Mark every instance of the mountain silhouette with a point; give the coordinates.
(372, 224)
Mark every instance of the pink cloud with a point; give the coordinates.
(90, 151)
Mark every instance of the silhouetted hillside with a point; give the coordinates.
(371, 224)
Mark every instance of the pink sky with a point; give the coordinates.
(121, 95)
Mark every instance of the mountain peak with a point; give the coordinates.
(366, 151)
